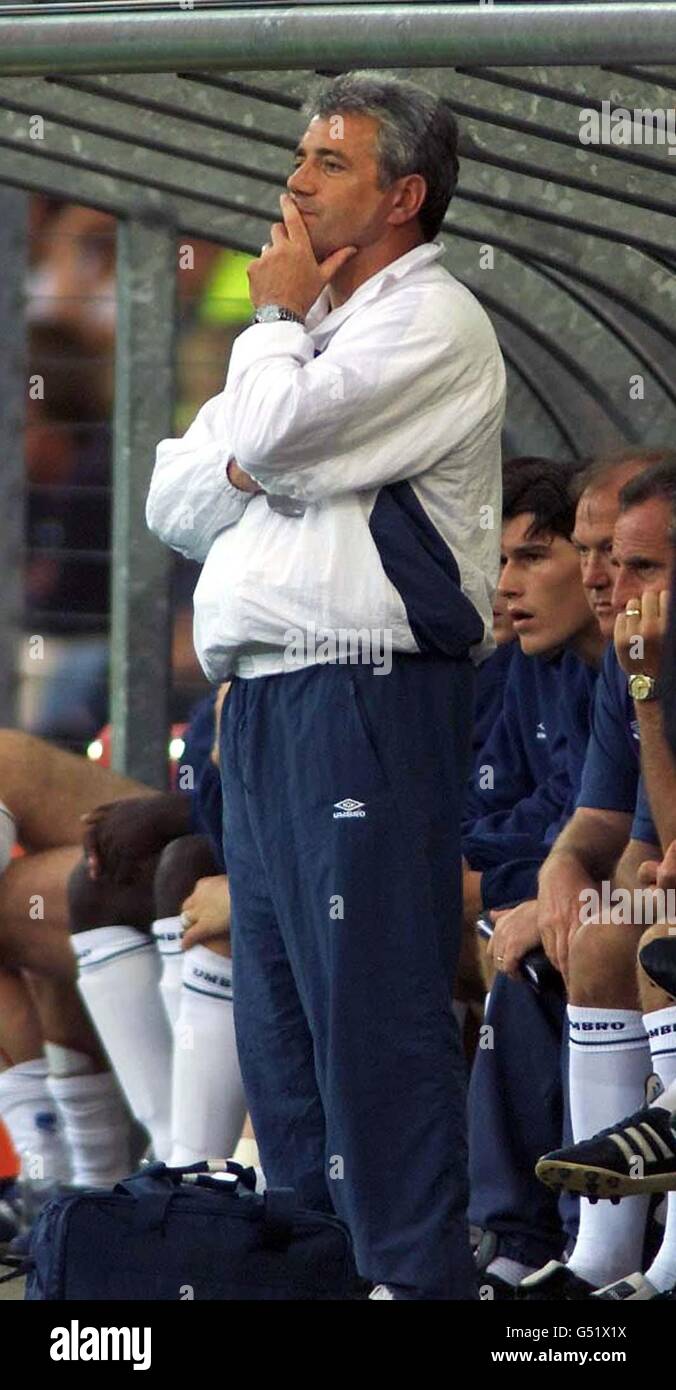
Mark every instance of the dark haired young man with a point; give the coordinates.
(529, 768)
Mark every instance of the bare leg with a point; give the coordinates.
(34, 913)
(101, 903)
(603, 966)
(180, 865)
(48, 790)
(20, 1032)
(64, 1020)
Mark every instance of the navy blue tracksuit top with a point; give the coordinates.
(527, 775)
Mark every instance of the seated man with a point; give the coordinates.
(522, 782)
(598, 852)
(637, 1155)
(508, 1115)
(45, 792)
(43, 948)
(161, 1000)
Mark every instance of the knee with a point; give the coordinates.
(101, 903)
(14, 744)
(603, 967)
(180, 865)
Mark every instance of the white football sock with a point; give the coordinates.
(661, 1029)
(208, 1106)
(119, 983)
(32, 1120)
(96, 1121)
(609, 1061)
(94, 1116)
(167, 932)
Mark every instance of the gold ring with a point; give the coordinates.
(500, 959)
(633, 612)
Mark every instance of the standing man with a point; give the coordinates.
(344, 491)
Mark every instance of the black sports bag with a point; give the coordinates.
(180, 1233)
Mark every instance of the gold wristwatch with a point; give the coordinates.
(642, 687)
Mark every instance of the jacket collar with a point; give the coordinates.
(321, 321)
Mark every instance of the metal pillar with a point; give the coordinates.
(140, 667)
(146, 37)
(13, 389)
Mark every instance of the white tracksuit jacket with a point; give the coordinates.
(381, 420)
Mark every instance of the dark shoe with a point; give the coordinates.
(658, 959)
(554, 1281)
(636, 1155)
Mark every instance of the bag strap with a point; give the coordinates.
(155, 1186)
(154, 1175)
(279, 1211)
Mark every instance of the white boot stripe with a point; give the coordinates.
(664, 1149)
(627, 1152)
(637, 1138)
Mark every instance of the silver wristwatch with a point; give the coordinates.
(276, 313)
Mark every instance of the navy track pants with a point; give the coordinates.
(517, 1113)
(342, 794)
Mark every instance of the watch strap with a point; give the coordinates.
(648, 692)
(276, 313)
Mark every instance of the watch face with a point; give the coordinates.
(268, 313)
(640, 687)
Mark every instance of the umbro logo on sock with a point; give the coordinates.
(662, 1030)
(348, 808)
(596, 1027)
(211, 979)
(540, 731)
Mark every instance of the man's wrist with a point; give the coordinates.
(241, 480)
(277, 313)
(643, 687)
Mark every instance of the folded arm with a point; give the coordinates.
(191, 499)
(363, 413)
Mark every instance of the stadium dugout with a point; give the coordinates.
(180, 121)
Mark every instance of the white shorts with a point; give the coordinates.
(7, 836)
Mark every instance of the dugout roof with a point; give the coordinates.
(181, 119)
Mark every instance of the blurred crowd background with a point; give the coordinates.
(71, 311)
